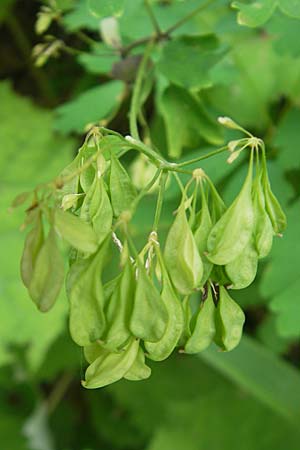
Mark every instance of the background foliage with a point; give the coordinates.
(241, 61)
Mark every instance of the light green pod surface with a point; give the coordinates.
(203, 228)
(122, 191)
(230, 319)
(181, 255)
(149, 317)
(263, 229)
(96, 209)
(118, 310)
(139, 369)
(75, 231)
(33, 244)
(273, 208)
(110, 367)
(47, 274)
(242, 270)
(204, 329)
(84, 288)
(158, 351)
(232, 232)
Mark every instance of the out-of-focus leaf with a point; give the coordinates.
(190, 413)
(135, 22)
(261, 373)
(34, 147)
(80, 17)
(187, 60)
(255, 85)
(268, 335)
(287, 140)
(105, 8)
(97, 104)
(256, 13)
(100, 61)
(290, 7)
(259, 11)
(284, 31)
(187, 122)
(281, 277)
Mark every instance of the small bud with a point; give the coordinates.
(232, 145)
(233, 156)
(228, 123)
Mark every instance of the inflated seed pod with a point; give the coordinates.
(84, 288)
(242, 270)
(158, 351)
(139, 369)
(96, 209)
(263, 229)
(122, 191)
(47, 273)
(118, 310)
(229, 321)
(204, 329)
(32, 246)
(149, 316)
(232, 232)
(75, 231)
(181, 255)
(203, 227)
(110, 367)
(273, 208)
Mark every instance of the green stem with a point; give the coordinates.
(159, 203)
(152, 17)
(145, 190)
(135, 102)
(200, 158)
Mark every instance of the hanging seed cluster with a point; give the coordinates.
(145, 310)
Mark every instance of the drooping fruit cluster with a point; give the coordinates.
(145, 310)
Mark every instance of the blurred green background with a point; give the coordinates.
(246, 400)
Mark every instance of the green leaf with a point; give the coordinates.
(80, 17)
(187, 122)
(186, 61)
(241, 367)
(256, 13)
(290, 7)
(104, 8)
(94, 105)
